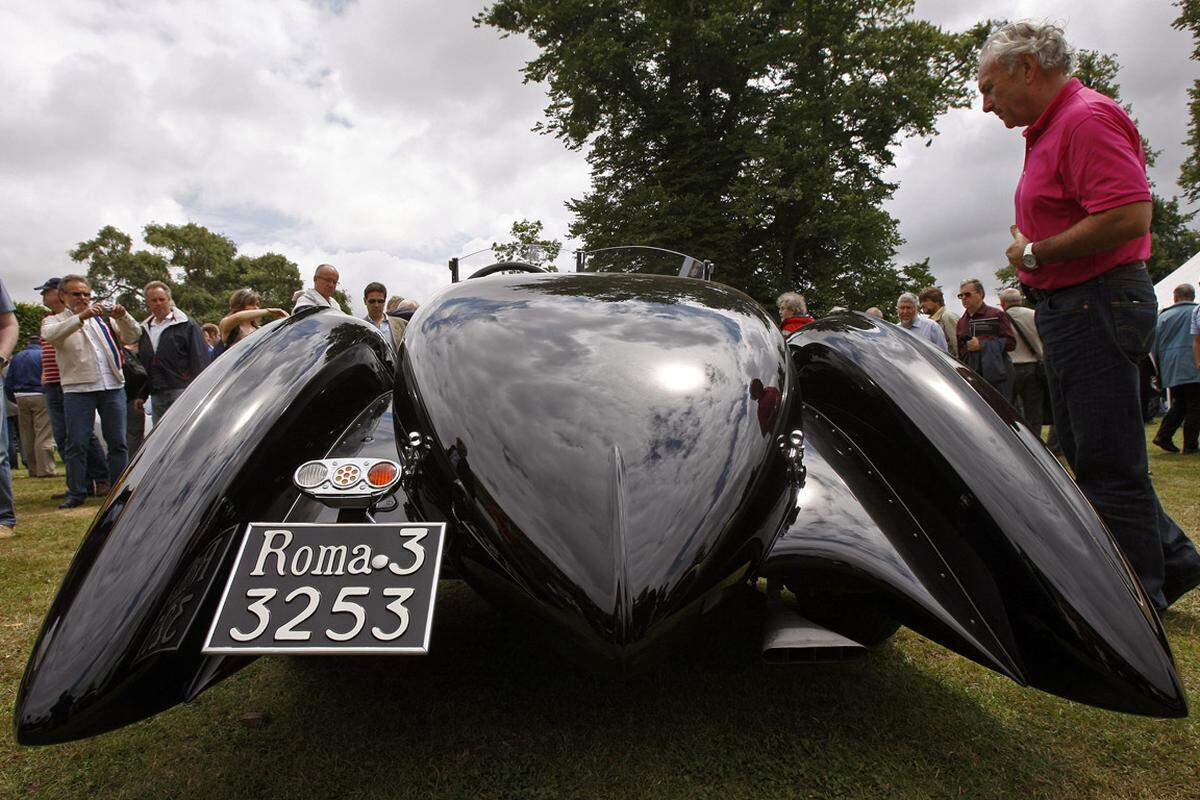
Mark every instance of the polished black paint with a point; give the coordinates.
(122, 638)
(928, 495)
(598, 442)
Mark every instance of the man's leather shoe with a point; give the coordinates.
(1165, 444)
(1175, 588)
(102, 489)
(71, 502)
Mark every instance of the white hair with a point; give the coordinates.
(1045, 41)
(1011, 295)
(792, 301)
(908, 297)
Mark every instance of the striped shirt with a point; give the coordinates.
(49, 364)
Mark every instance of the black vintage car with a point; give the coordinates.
(611, 454)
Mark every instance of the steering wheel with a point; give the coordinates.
(504, 266)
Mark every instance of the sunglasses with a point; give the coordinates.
(964, 295)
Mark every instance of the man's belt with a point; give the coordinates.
(1038, 295)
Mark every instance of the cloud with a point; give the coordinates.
(380, 135)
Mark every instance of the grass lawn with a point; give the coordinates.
(489, 714)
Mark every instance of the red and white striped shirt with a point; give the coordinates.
(49, 364)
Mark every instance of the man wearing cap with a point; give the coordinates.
(1079, 244)
(89, 362)
(96, 475)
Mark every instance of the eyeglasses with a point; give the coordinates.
(964, 295)
(80, 294)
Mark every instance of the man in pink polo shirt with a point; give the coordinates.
(1079, 245)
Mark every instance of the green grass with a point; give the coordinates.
(492, 714)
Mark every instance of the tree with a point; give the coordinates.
(117, 274)
(29, 322)
(201, 267)
(273, 276)
(204, 264)
(1172, 240)
(752, 134)
(528, 245)
(1189, 171)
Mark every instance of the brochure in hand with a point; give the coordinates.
(985, 328)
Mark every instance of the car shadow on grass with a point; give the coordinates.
(492, 713)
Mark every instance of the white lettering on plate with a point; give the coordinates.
(329, 555)
(305, 552)
(362, 558)
(268, 549)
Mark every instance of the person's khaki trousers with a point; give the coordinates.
(37, 439)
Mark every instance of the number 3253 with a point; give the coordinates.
(291, 631)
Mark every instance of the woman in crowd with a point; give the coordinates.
(244, 318)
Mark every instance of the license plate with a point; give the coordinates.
(330, 589)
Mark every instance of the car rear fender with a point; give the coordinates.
(122, 638)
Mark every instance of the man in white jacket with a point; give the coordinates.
(89, 364)
(325, 283)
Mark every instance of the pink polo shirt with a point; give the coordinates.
(1082, 156)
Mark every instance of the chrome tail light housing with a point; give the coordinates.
(348, 482)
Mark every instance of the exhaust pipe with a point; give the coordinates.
(789, 638)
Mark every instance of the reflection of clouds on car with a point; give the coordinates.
(543, 391)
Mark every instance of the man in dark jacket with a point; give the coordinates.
(985, 337)
(23, 383)
(171, 348)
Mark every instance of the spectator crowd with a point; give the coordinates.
(83, 387)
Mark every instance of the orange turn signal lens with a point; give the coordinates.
(382, 473)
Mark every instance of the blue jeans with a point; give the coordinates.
(97, 466)
(7, 516)
(13, 434)
(1094, 334)
(161, 401)
(80, 409)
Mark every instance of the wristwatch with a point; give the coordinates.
(1028, 259)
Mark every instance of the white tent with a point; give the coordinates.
(1189, 272)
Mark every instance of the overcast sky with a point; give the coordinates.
(385, 137)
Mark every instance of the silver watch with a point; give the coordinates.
(1028, 259)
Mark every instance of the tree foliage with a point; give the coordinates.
(754, 134)
(201, 267)
(528, 245)
(1189, 172)
(116, 272)
(29, 322)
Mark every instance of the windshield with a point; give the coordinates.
(642, 259)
